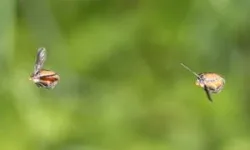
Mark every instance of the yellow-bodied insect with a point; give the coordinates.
(41, 77)
(210, 82)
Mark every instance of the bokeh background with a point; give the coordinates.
(122, 86)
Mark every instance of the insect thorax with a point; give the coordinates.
(212, 81)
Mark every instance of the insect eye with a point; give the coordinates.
(201, 79)
(201, 75)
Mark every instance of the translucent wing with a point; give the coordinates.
(40, 59)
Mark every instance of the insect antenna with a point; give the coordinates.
(190, 70)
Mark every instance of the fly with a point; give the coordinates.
(43, 78)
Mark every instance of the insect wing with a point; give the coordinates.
(40, 59)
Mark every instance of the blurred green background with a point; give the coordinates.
(122, 86)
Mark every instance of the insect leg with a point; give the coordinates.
(40, 84)
(208, 93)
(52, 85)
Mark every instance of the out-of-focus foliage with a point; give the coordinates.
(122, 86)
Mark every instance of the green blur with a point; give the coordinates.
(122, 86)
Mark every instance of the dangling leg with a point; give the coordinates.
(208, 93)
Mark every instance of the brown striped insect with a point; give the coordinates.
(210, 82)
(41, 77)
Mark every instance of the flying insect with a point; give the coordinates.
(43, 78)
(209, 81)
